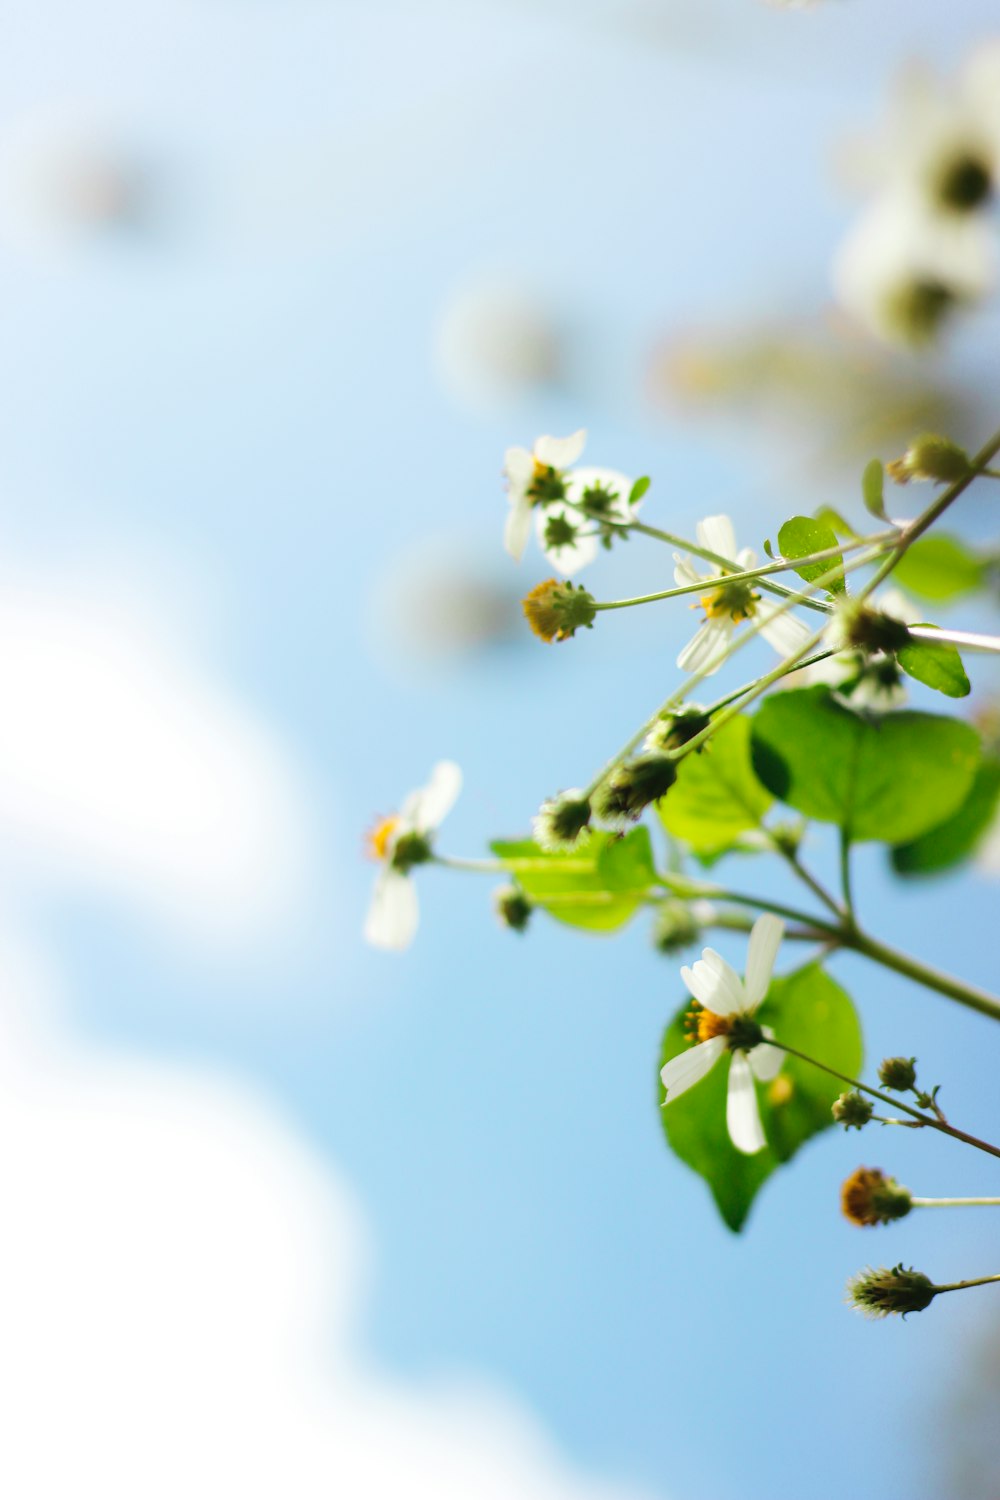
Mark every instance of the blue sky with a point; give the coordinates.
(235, 401)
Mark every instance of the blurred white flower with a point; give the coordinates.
(399, 842)
(726, 605)
(536, 477)
(496, 341)
(873, 682)
(721, 1021)
(904, 270)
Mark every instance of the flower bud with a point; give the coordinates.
(857, 627)
(869, 1197)
(512, 907)
(930, 457)
(671, 731)
(633, 786)
(561, 820)
(676, 927)
(555, 610)
(877, 1293)
(898, 1073)
(852, 1109)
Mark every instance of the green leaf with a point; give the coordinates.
(598, 885)
(872, 483)
(837, 523)
(639, 489)
(939, 667)
(952, 841)
(802, 535)
(939, 567)
(807, 1010)
(717, 795)
(890, 777)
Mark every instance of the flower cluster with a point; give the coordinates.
(571, 506)
(924, 247)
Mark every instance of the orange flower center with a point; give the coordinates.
(701, 1024)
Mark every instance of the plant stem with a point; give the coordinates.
(845, 876)
(955, 1202)
(969, 640)
(946, 984)
(927, 1120)
(751, 575)
(957, 1286)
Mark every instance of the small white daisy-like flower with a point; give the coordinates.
(722, 1020)
(727, 604)
(903, 271)
(536, 477)
(399, 842)
(874, 682)
(569, 530)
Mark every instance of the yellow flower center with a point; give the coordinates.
(702, 1025)
(735, 601)
(379, 838)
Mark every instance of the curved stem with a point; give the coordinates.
(934, 979)
(927, 1120)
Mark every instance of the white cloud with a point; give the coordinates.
(123, 766)
(177, 1283)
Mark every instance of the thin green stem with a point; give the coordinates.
(752, 575)
(968, 640)
(934, 979)
(957, 1286)
(955, 1202)
(927, 1120)
(845, 875)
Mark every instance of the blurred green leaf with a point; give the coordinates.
(598, 885)
(639, 489)
(939, 567)
(837, 523)
(809, 1011)
(938, 667)
(951, 842)
(872, 488)
(802, 535)
(890, 777)
(717, 795)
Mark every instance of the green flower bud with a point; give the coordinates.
(898, 1073)
(869, 1197)
(852, 1109)
(512, 907)
(877, 1293)
(859, 628)
(676, 927)
(633, 786)
(930, 457)
(561, 820)
(555, 610)
(671, 731)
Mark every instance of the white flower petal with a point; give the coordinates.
(393, 914)
(746, 558)
(519, 467)
(572, 556)
(784, 632)
(684, 573)
(765, 939)
(742, 1114)
(560, 452)
(423, 810)
(689, 1067)
(517, 528)
(731, 982)
(765, 1062)
(705, 651)
(895, 603)
(716, 534)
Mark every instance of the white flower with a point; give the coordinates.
(725, 605)
(569, 536)
(723, 1016)
(400, 842)
(868, 680)
(903, 270)
(534, 477)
